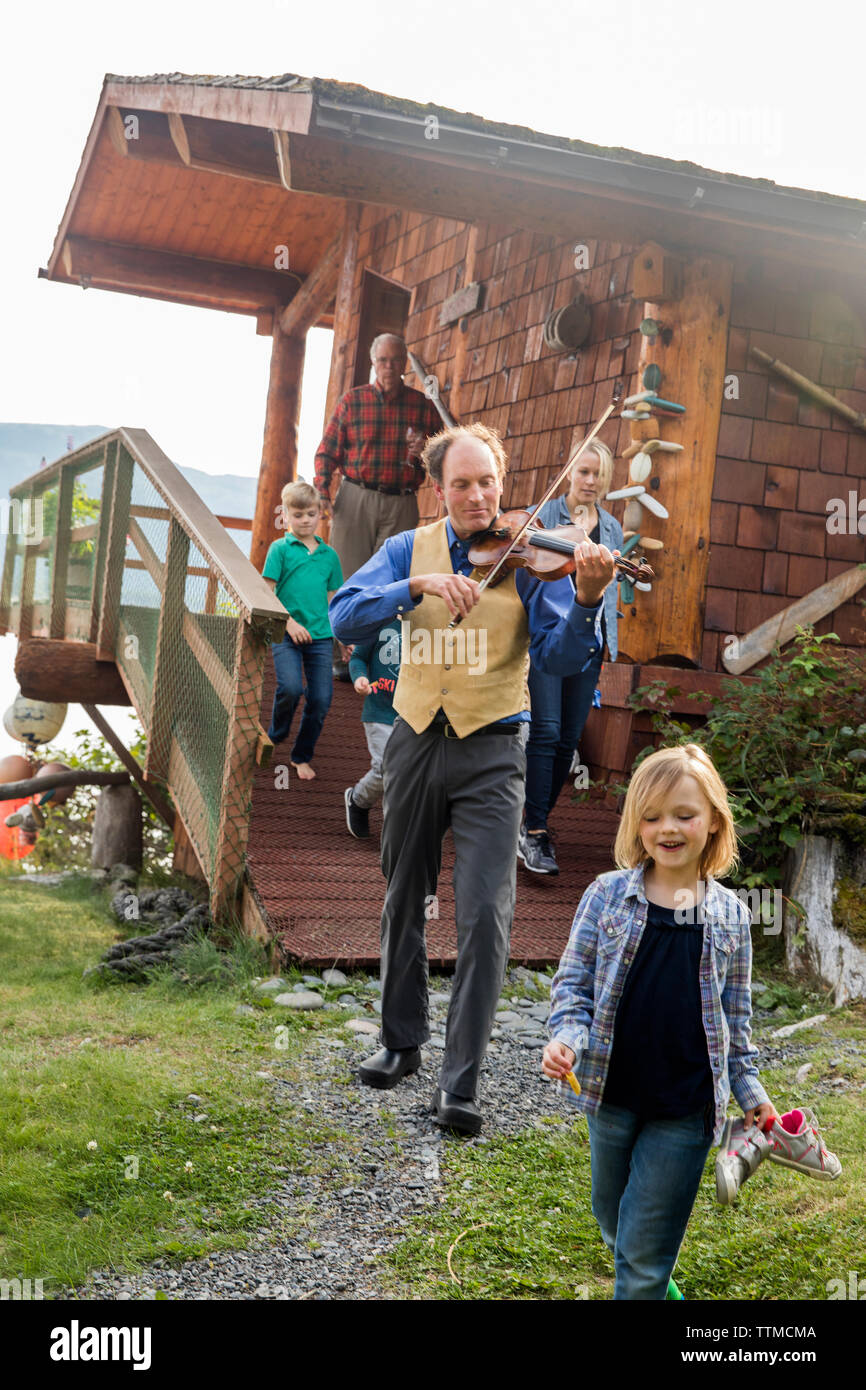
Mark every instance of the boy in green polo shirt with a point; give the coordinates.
(305, 573)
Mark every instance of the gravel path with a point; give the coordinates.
(397, 1163)
(334, 1235)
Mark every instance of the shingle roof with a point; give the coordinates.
(356, 95)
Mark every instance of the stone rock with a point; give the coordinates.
(244, 1010)
(300, 1000)
(758, 988)
(193, 1098)
(802, 1073)
(814, 866)
(312, 979)
(507, 1016)
(334, 977)
(363, 1025)
(790, 1028)
(272, 986)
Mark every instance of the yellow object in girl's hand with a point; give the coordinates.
(573, 1082)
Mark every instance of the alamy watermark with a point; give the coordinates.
(22, 518)
(21, 1289)
(438, 647)
(855, 1288)
(846, 517)
(766, 907)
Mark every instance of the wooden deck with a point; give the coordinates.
(322, 890)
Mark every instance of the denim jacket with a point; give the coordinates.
(556, 513)
(588, 985)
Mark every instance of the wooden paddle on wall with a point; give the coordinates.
(781, 628)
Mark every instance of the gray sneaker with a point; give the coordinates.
(536, 852)
(796, 1143)
(740, 1153)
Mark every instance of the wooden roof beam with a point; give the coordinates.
(218, 147)
(142, 135)
(540, 203)
(184, 279)
(316, 293)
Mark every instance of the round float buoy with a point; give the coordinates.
(33, 721)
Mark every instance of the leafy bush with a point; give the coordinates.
(65, 842)
(790, 746)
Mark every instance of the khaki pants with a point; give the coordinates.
(363, 519)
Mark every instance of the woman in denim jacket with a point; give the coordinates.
(560, 704)
(651, 1007)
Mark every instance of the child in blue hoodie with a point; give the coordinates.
(373, 669)
(651, 1008)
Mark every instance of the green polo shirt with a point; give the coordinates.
(304, 578)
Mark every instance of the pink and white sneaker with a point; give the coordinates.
(796, 1143)
(740, 1153)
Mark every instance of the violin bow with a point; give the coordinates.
(618, 387)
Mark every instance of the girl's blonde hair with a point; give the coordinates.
(605, 461)
(655, 777)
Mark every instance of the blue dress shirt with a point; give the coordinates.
(563, 635)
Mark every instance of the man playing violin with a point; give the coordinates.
(456, 756)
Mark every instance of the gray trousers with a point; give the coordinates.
(363, 519)
(367, 791)
(476, 786)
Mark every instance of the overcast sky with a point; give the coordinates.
(753, 88)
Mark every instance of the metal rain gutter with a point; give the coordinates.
(685, 190)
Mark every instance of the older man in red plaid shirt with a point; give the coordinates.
(374, 439)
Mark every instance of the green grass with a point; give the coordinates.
(66, 1208)
(521, 1206)
(521, 1229)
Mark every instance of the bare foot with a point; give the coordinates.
(304, 771)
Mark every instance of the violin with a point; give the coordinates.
(546, 553)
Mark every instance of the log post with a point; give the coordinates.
(280, 446)
(67, 672)
(341, 350)
(667, 624)
(456, 402)
(117, 835)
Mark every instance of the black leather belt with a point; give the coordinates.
(388, 491)
(440, 722)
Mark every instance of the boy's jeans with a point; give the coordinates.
(645, 1177)
(296, 663)
(560, 705)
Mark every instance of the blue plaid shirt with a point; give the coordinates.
(588, 985)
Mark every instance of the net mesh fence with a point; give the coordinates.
(192, 661)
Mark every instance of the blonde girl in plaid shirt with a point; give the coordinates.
(675, 836)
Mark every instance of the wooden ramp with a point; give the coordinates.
(322, 890)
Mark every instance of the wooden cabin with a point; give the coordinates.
(303, 202)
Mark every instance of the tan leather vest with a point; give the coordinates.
(475, 673)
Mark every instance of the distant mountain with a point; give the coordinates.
(23, 447)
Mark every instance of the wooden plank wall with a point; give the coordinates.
(781, 458)
(536, 398)
(778, 460)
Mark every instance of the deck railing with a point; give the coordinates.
(111, 545)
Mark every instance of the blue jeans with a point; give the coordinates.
(645, 1177)
(296, 663)
(560, 705)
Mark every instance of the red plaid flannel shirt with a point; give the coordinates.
(366, 438)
